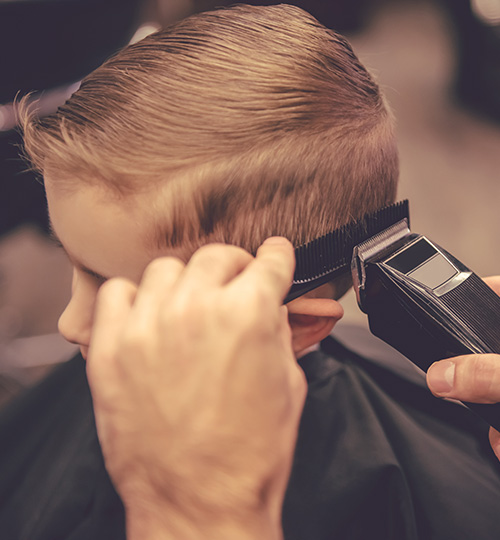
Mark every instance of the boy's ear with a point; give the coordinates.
(311, 320)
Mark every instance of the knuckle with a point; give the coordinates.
(215, 253)
(209, 248)
(114, 286)
(481, 379)
(161, 265)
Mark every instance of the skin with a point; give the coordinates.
(172, 349)
(105, 237)
(188, 365)
(177, 385)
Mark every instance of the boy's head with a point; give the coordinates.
(230, 126)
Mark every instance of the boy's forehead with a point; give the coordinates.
(105, 234)
(154, 205)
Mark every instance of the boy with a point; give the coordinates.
(230, 114)
(231, 127)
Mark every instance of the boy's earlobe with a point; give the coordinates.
(311, 320)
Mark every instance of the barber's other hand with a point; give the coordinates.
(197, 393)
(474, 378)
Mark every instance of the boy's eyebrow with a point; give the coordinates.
(82, 267)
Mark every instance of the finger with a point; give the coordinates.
(495, 441)
(474, 378)
(272, 267)
(113, 305)
(493, 282)
(158, 280)
(215, 265)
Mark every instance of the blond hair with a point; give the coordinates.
(255, 121)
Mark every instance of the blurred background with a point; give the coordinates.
(438, 61)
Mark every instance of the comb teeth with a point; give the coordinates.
(333, 251)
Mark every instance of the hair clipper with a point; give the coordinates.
(424, 302)
(419, 299)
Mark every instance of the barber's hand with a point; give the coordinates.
(474, 378)
(197, 393)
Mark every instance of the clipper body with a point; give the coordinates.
(425, 303)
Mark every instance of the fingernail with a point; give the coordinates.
(275, 241)
(441, 376)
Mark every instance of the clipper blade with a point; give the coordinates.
(325, 258)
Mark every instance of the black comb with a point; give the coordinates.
(329, 256)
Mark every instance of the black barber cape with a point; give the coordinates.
(377, 457)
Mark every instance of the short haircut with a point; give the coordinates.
(255, 121)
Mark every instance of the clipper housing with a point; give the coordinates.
(424, 302)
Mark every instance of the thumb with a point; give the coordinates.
(474, 378)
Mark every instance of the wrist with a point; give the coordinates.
(166, 524)
(205, 511)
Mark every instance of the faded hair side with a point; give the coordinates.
(250, 122)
